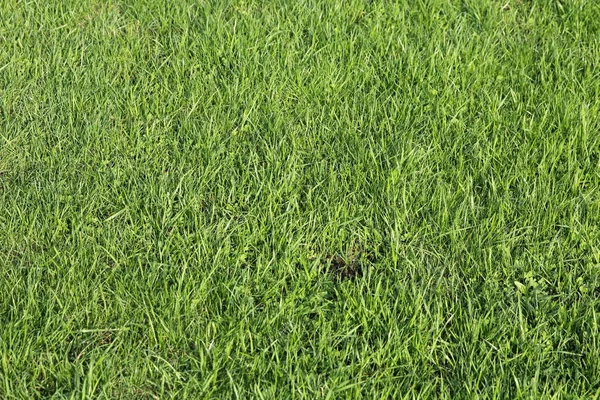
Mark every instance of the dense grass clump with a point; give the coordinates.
(299, 199)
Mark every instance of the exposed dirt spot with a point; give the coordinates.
(343, 269)
(351, 265)
(106, 338)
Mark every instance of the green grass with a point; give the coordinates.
(299, 199)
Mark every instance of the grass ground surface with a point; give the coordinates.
(299, 199)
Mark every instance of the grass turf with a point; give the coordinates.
(307, 199)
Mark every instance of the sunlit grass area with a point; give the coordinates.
(299, 199)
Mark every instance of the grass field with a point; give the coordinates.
(299, 199)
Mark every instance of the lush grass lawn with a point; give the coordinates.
(299, 199)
